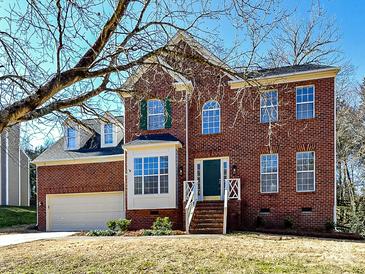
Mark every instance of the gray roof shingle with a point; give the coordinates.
(269, 72)
(90, 148)
(153, 139)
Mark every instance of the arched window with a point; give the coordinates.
(211, 118)
(155, 114)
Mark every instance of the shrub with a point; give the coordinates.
(112, 224)
(123, 224)
(163, 224)
(330, 225)
(119, 225)
(107, 232)
(288, 222)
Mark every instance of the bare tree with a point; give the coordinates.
(301, 41)
(57, 55)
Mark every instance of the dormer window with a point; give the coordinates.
(108, 134)
(71, 138)
(155, 114)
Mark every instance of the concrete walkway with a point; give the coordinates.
(12, 239)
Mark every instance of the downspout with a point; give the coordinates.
(335, 160)
(186, 136)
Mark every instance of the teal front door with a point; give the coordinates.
(211, 178)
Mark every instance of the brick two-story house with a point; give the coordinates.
(208, 149)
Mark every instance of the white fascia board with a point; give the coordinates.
(284, 75)
(82, 160)
(176, 144)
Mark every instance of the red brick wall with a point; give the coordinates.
(80, 178)
(145, 218)
(243, 138)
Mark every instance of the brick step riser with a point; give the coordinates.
(216, 231)
(209, 208)
(207, 220)
(203, 226)
(208, 212)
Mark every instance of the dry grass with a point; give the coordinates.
(240, 253)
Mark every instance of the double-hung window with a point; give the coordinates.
(108, 134)
(305, 102)
(211, 116)
(305, 171)
(151, 175)
(269, 107)
(71, 138)
(155, 114)
(269, 173)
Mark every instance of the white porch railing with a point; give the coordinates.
(191, 198)
(232, 191)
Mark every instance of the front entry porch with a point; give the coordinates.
(210, 173)
(207, 216)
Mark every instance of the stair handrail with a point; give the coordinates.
(232, 191)
(190, 189)
(226, 186)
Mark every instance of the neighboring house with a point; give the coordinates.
(14, 170)
(184, 158)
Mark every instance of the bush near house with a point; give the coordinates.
(162, 226)
(14, 215)
(115, 227)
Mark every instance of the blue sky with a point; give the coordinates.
(350, 17)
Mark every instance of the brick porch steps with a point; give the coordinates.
(208, 218)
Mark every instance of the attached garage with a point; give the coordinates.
(83, 211)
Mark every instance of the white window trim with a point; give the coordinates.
(314, 172)
(77, 142)
(277, 174)
(314, 102)
(153, 201)
(204, 110)
(277, 105)
(155, 114)
(158, 174)
(102, 131)
(200, 161)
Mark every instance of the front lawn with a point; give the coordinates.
(14, 215)
(247, 253)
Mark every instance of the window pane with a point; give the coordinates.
(150, 184)
(211, 117)
(225, 170)
(269, 107)
(305, 171)
(164, 166)
(108, 133)
(305, 102)
(164, 184)
(305, 181)
(137, 185)
(150, 165)
(137, 166)
(156, 114)
(156, 121)
(71, 138)
(269, 183)
(269, 173)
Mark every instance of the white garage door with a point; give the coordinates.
(83, 211)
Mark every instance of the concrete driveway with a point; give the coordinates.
(12, 239)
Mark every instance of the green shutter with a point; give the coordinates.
(168, 123)
(143, 115)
